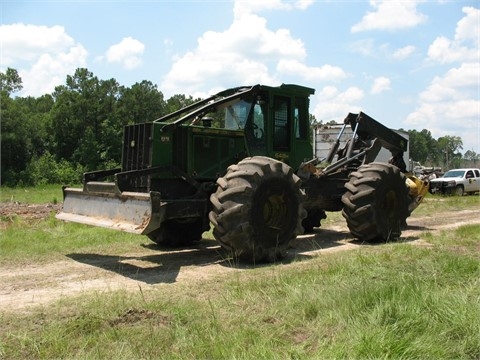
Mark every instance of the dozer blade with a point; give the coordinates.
(139, 213)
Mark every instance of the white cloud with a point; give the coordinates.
(335, 105)
(380, 85)
(27, 42)
(390, 15)
(43, 55)
(127, 52)
(466, 43)
(468, 28)
(323, 73)
(50, 70)
(246, 7)
(457, 84)
(443, 51)
(450, 105)
(404, 52)
(248, 52)
(365, 47)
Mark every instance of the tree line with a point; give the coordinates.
(56, 137)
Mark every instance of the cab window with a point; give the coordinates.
(281, 130)
(301, 118)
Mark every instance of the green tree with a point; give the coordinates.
(16, 146)
(109, 139)
(471, 155)
(15, 139)
(418, 146)
(37, 120)
(450, 147)
(177, 102)
(423, 147)
(10, 81)
(140, 103)
(85, 120)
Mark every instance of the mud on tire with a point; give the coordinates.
(257, 209)
(376, 202)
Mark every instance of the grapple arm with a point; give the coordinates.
(369, 129)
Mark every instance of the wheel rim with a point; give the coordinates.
(273, 207)
(274, 210)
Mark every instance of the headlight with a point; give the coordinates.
(451, 183)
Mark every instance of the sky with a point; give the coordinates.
(410, 64)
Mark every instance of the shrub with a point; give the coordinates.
(47, 170)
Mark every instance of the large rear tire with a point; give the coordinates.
(257, 209)
(376, 202)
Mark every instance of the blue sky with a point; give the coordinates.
(412, 64)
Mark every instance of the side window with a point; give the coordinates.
(281, 129)
(477, 173)
(258, 122)
(301, 118)
(235, 115)
(255, 130)
(469, 174)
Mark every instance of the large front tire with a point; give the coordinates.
(376, 202)
(257, 209)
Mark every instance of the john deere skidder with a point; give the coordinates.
(241, 161)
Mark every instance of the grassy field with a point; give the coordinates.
(391, 301)
(38, 195)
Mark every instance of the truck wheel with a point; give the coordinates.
(314, 216)
(257, 209)
(176, 233)
(459, 190)
(376, 202)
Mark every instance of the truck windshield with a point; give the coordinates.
(454, 173)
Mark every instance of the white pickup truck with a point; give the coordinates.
(457, 182)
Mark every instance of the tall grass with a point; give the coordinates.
(394, 300)
(49, 239)
(41, 194)
(390, 301)
(433, 204)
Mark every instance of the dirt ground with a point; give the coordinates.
(23, 287)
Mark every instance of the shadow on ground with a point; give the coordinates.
(163, 265)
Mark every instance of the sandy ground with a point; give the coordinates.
(23, 287)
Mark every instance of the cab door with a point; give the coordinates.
(290, 129)
(282, 127)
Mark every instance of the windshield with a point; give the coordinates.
(454, 173)
(231, 116)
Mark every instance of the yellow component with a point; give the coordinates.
(417, 190)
